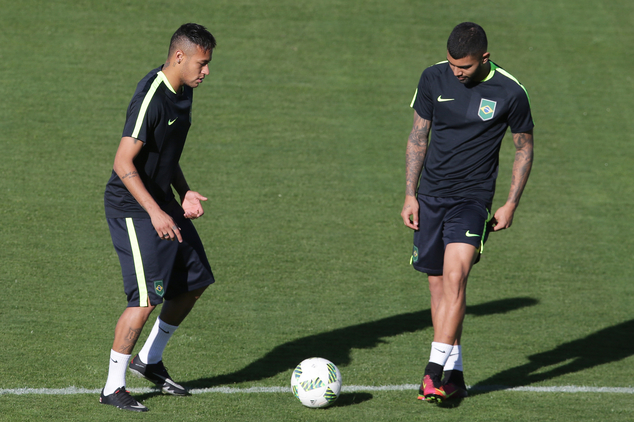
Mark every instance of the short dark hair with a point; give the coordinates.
(467, 39)
(192, 33)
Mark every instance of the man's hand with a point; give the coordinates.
(165, 226)
(503, 217)
(191, 204)
(410, 212)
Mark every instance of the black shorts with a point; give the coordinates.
(442, 221)
(154, 268)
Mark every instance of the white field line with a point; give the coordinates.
(345, 389)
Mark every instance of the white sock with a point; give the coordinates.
(116, 372)
(440, 353)
(455, 359)
(152, 351)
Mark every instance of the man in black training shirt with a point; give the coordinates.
(162, 258)
(467, 103)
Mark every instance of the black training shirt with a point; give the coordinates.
(160, 118)
(468, 124)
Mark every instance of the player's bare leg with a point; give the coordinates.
(175, 310)
(129, 328)
(451, 306)
(149, 361)
(448, 307)
(127, 331)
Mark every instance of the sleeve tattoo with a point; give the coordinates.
(522, 164)
(416, 149)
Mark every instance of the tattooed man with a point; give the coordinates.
(162, 258)
(463, 107)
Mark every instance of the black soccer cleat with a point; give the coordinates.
(157, 374)
(123, 400)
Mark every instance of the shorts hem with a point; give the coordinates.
(191, 287)
(427, 271)
(157, 300)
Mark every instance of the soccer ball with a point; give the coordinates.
(316, 382)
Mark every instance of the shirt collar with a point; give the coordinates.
(164, 79)
(491, 72)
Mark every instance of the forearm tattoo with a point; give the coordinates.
(416, 149)
(130, 175)
(522, 165)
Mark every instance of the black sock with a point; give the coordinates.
(433, 370)
(455, 377)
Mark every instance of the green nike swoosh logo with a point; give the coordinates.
(472, 235)
(442, 100)
(171, 122)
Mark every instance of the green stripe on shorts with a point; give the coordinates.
(138, 263)
(486, 224)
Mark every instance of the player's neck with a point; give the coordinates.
(172, 75)
(484, 71)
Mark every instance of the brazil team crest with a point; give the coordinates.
(415, 254)
(158, 288)
(487, 109)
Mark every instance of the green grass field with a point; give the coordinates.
(298, 139)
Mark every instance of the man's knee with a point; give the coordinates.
(455, 283)
(187, 297)
(195, 294)
(456, 276)
(140, 311)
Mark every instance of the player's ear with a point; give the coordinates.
(179, 56)
(486, 57)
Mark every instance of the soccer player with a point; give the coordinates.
(162, 258)
(467, 103)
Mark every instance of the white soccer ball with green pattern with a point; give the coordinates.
(316, 382)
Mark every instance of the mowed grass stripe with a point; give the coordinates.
(345, 389)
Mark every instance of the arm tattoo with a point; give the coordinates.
(130, 175)
(416, 149)
(522, 165)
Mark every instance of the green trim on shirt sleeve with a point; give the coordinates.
(414, 99)
(144, 107)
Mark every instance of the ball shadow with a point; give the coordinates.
(350, 399)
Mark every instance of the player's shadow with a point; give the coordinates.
(336, 345)
(608, 345)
